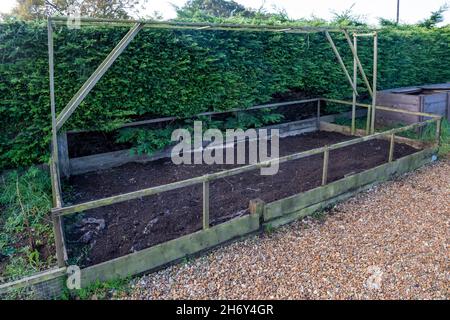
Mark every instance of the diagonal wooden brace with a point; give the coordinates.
(341, 62)
(96, 76)
(358, 62)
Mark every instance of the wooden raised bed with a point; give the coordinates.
(433, 99)
(265, 215)
(270, 215)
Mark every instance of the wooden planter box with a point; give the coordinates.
(429, 99)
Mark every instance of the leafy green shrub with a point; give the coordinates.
(145, 141)
(185, 72)
(148, 141)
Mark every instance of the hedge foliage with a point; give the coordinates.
(182, 73)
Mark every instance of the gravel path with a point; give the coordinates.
(391, 242)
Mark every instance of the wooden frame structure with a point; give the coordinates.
(58, 121)
(262, 215)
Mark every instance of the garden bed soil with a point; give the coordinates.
(95, 142)
(105, 233)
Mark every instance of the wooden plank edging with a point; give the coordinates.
(33, 280)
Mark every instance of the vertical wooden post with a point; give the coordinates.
(420, 130)
(448, 106)
(318, 114)
(205, 205)
(326, 156)
(355, 79)
(63, 154)
(256, 206)
(57, 202)
(438, 131)
(374, 85)
(391, 148)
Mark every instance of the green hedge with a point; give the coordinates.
(182, 73)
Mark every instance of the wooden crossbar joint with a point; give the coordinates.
(363, 34)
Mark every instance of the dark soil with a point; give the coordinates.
(138, 224)
(95, 142)
(88, 143)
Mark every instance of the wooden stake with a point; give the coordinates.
(438, 131)
(374, 85)
(355, 79)
(256, 206)
(205, 205)
(326, 155)
(56, 192)
(341, 62)
(318, 114)
(391, 148)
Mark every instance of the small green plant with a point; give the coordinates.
(269, 229)
(149, 141)
(445, 138)
(99, 290)
(319, 216)
(246, 120)
(145, 141)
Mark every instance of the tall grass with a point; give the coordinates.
(25, 225)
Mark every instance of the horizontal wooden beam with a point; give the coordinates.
(365, 105)
(332, 127)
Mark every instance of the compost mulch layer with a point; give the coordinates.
(105, 233)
